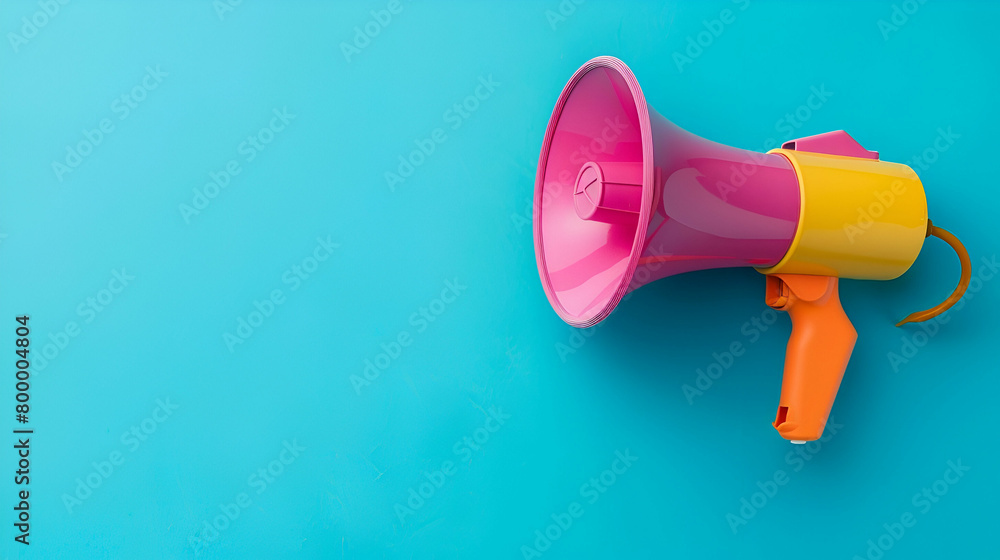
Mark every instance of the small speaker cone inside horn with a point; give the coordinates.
(609, 193)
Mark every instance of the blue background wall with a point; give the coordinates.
(152, 425)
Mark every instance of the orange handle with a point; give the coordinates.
(818, 351)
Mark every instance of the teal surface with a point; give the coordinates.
(278, 264)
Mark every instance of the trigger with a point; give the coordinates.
(775, 292)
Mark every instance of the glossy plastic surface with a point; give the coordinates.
(837, 142)
(702, 204)
(609, 192)
(817, 355)
(861, 218)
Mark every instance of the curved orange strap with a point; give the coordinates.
(963, 281)
(818, 351)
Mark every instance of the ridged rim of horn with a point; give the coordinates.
(645, 129)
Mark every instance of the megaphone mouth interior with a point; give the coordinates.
(593, 191)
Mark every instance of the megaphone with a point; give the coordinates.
(624, 197)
